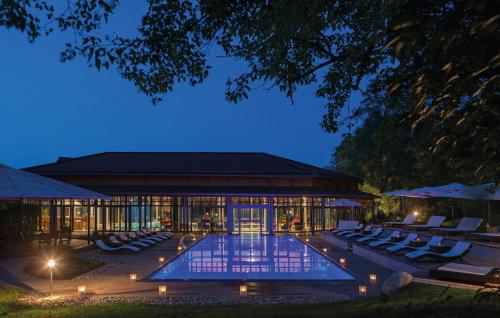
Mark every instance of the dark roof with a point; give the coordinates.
(219, 190)
(183, 163)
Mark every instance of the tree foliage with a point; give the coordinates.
(442, 55)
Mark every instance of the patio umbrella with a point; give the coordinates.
(343, 203)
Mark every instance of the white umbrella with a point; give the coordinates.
(343, 203)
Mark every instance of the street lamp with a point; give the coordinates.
(51, 264)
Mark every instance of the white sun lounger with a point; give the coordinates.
(136, 237)
(457, 251)
(409, 219)
(125, 239)
(145, 237)
(385, 240)
(491, 237)
(351, 234)
(404, 243)
(163, 236)
(345, 225)
(465, 226)
(112, 238)
(434, 221)
(434, 241)
(372, 236)
(467, 273)
(108, 249)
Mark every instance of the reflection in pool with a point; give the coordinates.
(250, 257)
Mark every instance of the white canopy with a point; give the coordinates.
(343, 203)
(452, 190)
(18, 184)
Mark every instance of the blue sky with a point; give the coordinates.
(50, 109)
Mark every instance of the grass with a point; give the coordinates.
(413, 301)
(69, 264)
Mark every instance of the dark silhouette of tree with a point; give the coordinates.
(442, 55)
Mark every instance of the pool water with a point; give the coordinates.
(250, 257)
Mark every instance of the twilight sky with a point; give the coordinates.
(50, 109)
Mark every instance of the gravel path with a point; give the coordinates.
(179, 300)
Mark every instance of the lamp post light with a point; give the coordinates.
(51, 264)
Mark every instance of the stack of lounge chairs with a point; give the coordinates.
(131, 241)
(476, 274)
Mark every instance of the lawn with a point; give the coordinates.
(413, 301)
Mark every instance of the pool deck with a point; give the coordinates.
(112, 279)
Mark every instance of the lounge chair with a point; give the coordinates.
(113, 240)
(434, 241)
(164, 236)
(358, 229)
(465, 226)
(467, 273)
(345, 225)
(456, 252)
(108, 249)
(123, 238)
(409, 219)
(143, 235)
(490, 237)
(352, 234)
(372, 236)
(136, 237)
(386, 240)
(433, 222)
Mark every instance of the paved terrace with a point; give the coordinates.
(112, 279)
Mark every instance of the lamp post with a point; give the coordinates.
(51, 264)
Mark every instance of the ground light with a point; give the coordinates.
(133, 277)
(82, 289)
(179, 248)
(373, 278)
(342, 261)
(243, 289)
(362, 290)
(161, 259)
(325, 250)
(162, 290)
(51, 264)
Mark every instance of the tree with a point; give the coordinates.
(442, 54)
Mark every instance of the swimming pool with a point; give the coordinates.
(249, 257)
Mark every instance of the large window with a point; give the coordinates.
(207, 214)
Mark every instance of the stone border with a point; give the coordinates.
(179, 300)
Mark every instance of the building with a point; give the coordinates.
(200, 191)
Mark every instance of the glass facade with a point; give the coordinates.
(223, 214)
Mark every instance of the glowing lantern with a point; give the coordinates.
(243, 289)
(133, 277)
(82, 289)
(362, 290)
(162, 290)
